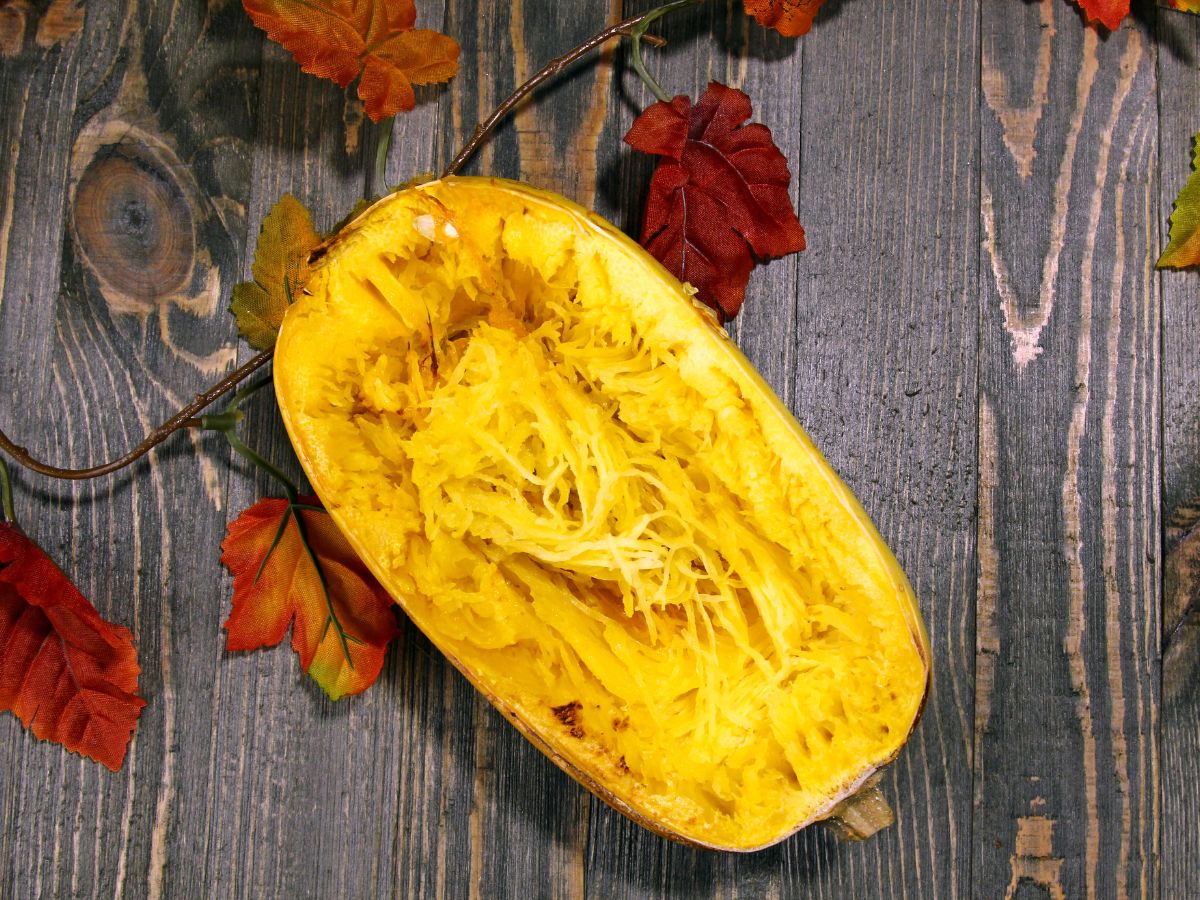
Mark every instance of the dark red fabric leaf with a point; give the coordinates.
(719, 198)
(67, 674)
(661, 129)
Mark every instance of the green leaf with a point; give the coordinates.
(1184, 249)
(280, 267)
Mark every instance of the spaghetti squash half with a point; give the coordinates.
(579, 489)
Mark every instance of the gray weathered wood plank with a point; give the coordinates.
(1179, 121)
(886, 189)
(885, 369)
(283, 782)
(1067, 678)
(949, 156)
(122, 236)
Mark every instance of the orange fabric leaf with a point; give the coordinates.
(791, 18)
(343, 39)
(1187, 5)
(67, 674)
(287, 592)
(1108, 13)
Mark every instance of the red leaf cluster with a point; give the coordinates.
(719, 197)
(68, 675)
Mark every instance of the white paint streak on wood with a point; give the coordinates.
(1150, 518)
(117, 382)
(131, 767)
(56, 842)
(239, 829)
(1108, 504)
(987, 635)
(215, 363)
(1034, 860)
(1146, 515)
(211, 779)
(97, 832)
(1019, 124)
(166, 698)
(1071, 497)
(965, 33)
(89, 385)
(82, 421)
(1025, 327)
(77, 831)
(10, 193)
(578, 872)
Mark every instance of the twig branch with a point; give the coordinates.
(552, 68)
(182, 419)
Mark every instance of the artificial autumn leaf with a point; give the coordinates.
(343, 39)
(280, 267)
(67, 674)
(1192, 6)
(342, 620)
(1108, 13)
(719, 198)
(791, 18)
(1183, 251)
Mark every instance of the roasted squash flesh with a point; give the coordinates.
(580, 491)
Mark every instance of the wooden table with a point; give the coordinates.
(976, 337)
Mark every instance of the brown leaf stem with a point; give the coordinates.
(6, 495)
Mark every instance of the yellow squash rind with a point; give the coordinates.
(449, 210)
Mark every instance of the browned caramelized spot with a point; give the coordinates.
(568, 714)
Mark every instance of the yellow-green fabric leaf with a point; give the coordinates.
(1184, 249)
(280, 267)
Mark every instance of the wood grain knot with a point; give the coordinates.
(134, 225)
